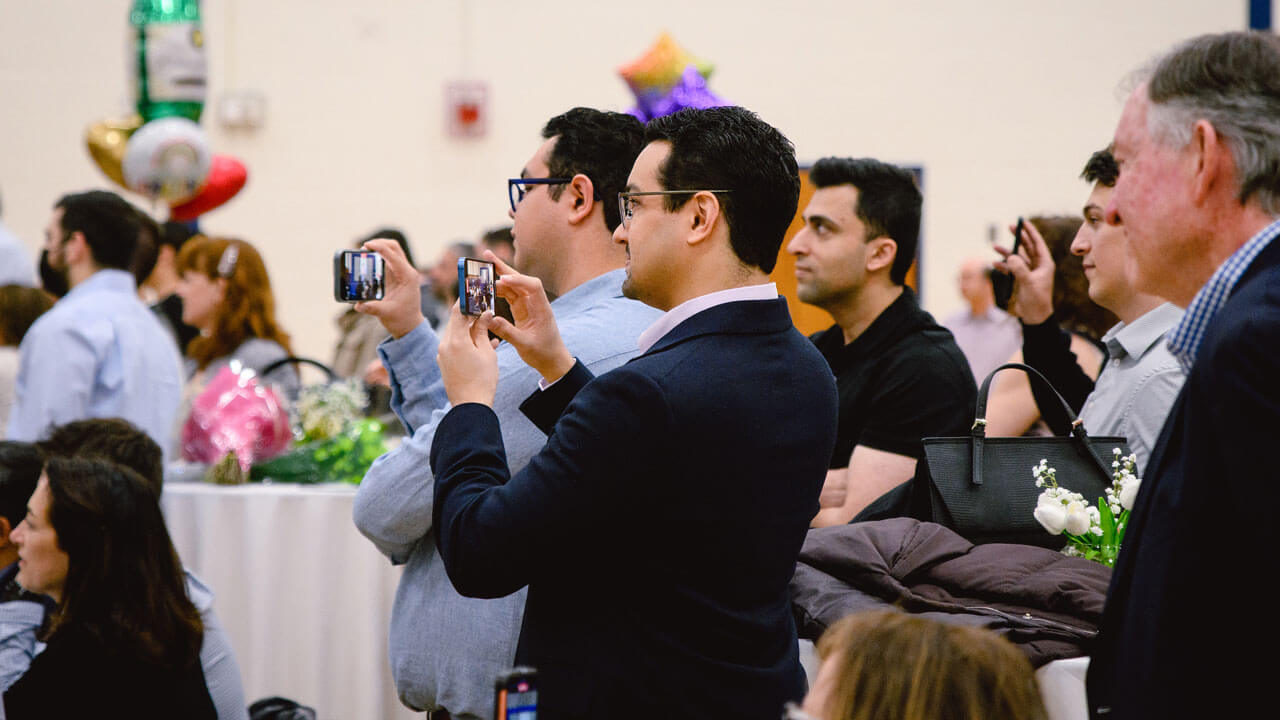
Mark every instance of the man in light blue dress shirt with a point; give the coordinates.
(99, 352)
(447, 650)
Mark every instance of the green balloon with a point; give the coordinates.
(168, 65)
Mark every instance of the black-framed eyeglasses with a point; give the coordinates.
(627, 206)
(516, 187)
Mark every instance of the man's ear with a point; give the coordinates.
(705, 210)
(1211, 160)
(881, 252)
(582, 198)
(76, 248)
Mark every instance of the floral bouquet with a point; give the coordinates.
(1094, 533)
(235, 421)
(332, 442)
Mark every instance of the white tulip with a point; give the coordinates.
(1077, 518)
(1129, 493)
(1052, 515)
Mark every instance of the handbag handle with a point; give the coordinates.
(979, 429)
(333, 376)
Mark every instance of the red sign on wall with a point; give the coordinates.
(466, 108)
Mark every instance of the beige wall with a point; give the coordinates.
(1001, 101)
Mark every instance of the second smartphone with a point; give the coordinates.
(476, 280)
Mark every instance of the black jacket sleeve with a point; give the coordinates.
(1047, 348)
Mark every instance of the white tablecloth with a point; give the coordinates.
(305, 599)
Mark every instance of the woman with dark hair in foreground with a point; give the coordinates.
(124, 640)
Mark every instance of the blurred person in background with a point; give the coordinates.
(16, 266)
(20, 306)
(124, 640)
(226, 294)
(500, 242)
(99, 352)
(440, 288)
(21, 612)
(987, 335)
(159, 290)
(889, 664)
(118, 441)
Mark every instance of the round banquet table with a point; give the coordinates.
(305, 599)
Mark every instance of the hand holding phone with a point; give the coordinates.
(358, 275)
(1002, 283)
(476, 280)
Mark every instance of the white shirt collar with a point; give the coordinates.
(689, 308)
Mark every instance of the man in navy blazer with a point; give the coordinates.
(1199, 193)
(659, 527)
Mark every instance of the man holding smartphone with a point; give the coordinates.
(447, 650)
(1140, 379)
(659, 528)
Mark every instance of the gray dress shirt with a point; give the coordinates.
(446, 650)
(1138, 383)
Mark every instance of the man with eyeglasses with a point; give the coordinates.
(658, 529)
(446, 650)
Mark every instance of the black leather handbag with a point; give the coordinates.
(984, 488)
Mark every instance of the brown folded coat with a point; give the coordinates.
(1044, 602)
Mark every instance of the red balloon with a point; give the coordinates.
(227, 176)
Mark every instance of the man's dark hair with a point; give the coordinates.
(601, 145)
(888, 203)
(1101, 168)
(390, 233)
(109, 225)
(20, 466)
(114, 439)
(731, 148)
(176, 234)
(499, 236)
(148, 250)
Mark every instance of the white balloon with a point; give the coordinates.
(167, 159)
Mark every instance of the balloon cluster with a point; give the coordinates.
(161, 152)
(667, 78)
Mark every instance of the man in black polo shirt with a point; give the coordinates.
(901, 377)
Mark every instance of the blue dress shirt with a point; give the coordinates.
(99, 352)
(447, 649)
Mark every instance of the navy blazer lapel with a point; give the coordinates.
(741, 317)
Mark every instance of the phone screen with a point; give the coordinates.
(517, 695)
(358, 275)
(475, 285)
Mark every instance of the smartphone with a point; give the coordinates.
(1002, 283)
(358, 275)
(475, 285)
(516, 695)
